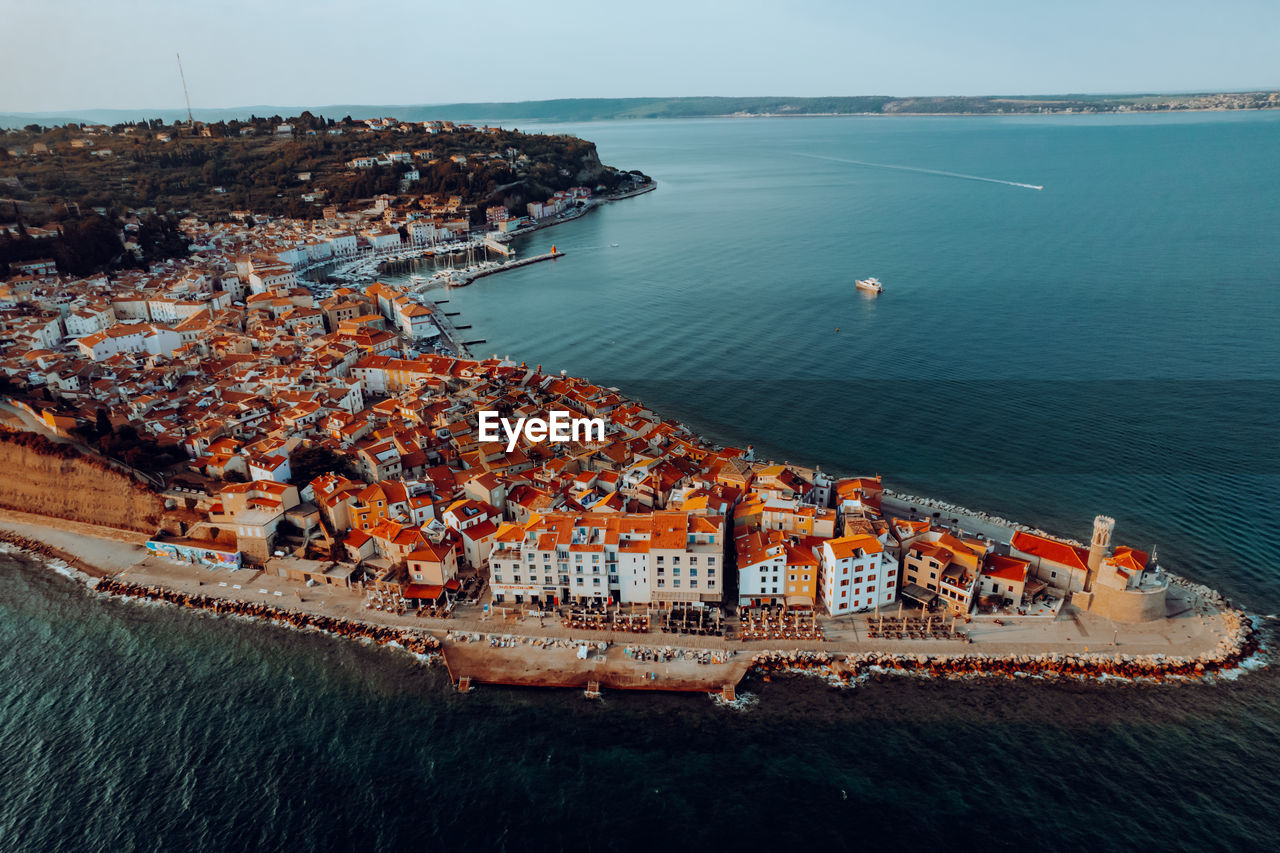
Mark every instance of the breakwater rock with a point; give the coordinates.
(950, 510)
(1240, 643)
(417, 642)
(32, 546)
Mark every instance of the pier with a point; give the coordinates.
(523, 262)
(448, 331)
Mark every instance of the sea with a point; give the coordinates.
(1080, 317)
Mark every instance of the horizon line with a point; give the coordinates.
(1032, 96)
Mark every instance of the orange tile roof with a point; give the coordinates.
(1051, 549)
(846, 545)
(1007, 568)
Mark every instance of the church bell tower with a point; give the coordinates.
(1102, 527)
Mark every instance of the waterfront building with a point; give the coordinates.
(936, 561)
(855, 573)
(632, 558)
(1063, 566)
(1122, 584)
(762, 567)
(1005, 578)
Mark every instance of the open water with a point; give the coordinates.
(1106, 344)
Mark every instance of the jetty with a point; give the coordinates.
(510, 265)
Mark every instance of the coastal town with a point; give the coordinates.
(320, 422)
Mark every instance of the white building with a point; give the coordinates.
(656, 558)
(89, 319)
(762, 567)
(855, 573)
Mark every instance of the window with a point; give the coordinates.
(660, 560)
(693, 584)
(516, 579)
(496, 578)
(693, 561)
(693, 573)
(676, 571)
(676, 584)
(844, 582)
(675, 561)
(661, 583)
(711, 561)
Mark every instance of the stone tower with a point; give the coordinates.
(1102, 527)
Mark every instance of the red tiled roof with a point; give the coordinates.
(423, 590)
(1006, 568)
(1051, 549)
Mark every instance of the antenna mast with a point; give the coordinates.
(191, 122)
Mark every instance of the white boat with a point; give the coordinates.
(871, 285)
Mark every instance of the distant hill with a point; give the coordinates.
(601, 109)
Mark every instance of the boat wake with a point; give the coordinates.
(922, 171)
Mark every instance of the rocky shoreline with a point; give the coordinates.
(1242, 641)
(45, 551)
(416, 642)
(1241, 644)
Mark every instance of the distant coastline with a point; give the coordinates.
(572, 110)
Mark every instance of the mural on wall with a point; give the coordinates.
(185, 553)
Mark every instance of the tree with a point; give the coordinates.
(102, 424)
(310, 462)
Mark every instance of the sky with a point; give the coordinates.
(61, 55)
